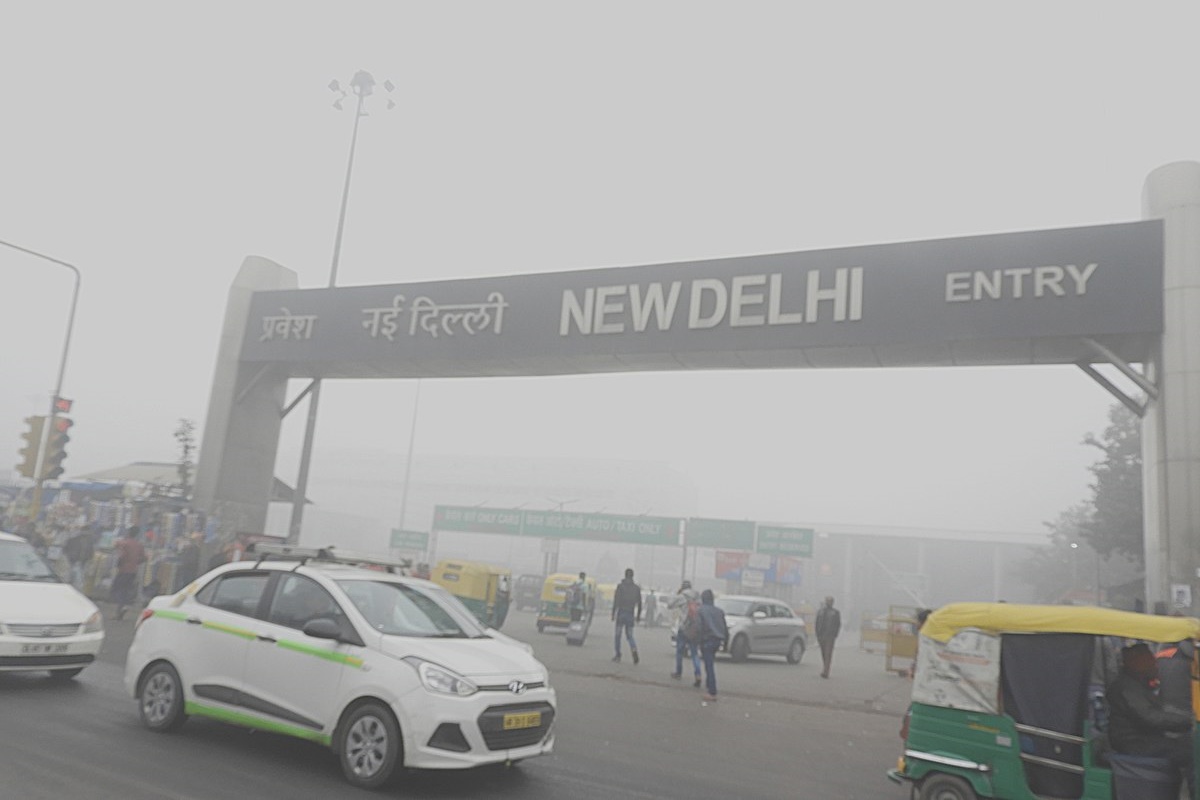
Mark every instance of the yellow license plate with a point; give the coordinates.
(515, 722)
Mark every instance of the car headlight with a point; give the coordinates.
(94, 624)
(441, 680)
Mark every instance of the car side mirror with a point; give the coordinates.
(759, 615)
(323, 628)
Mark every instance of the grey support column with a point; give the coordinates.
(1171, 426)
(236, 466)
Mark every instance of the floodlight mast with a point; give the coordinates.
(363, 86)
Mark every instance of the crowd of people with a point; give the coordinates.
(122, 565)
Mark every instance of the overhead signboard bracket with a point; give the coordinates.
(1137, 405)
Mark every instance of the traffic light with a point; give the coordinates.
(56, 448)
(33, 443)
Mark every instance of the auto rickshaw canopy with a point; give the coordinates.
(948, 620)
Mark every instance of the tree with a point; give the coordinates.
(1054, 571)
(1098, 542)
(185, 434)
(1115, 522)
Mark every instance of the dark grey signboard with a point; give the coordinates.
(1014, 298)
(727, 534)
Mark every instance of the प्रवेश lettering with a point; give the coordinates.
(739, 302)
(1018, 282)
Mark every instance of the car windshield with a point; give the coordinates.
(398, 609)
(20, 562)
(736, 608)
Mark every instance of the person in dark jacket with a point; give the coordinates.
(714, 634)
(828, 625)
(1138, 722)
(627, 611)
(1174, 663)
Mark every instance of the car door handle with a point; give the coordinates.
(194, 621)
(264, 638)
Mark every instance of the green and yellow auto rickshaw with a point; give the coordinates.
(1008, 702)
(483, 588)
(555, 609)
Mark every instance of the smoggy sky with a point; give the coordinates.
(156, 145)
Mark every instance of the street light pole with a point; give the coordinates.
(62, 369)
(363, 85)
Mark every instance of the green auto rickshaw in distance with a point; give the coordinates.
(555, 608)
(483, 588)
(1008, 702)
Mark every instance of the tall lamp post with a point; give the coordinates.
(363, 86)
(62, 369)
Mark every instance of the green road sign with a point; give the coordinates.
(602, 527)
(785, 541)
(409, 540)
(558, 525)
(727, 534)
(472, 519)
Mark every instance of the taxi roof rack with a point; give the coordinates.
(327, 555)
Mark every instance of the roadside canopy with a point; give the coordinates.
(1017, 618)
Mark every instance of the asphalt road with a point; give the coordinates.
(623, 730)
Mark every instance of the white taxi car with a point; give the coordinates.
(45, 624)
(387, 670)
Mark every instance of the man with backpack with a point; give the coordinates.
(627, 611)
(686, 605)
(714, 635)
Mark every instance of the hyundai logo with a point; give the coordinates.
(517, 687)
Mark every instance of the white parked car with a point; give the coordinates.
(763, 626)
(45, 623)
(387, 670)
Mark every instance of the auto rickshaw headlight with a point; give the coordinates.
(440, 680)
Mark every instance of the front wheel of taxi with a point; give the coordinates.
(368, 745)
(160, 698)
(945, 787)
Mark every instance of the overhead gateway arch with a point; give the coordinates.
(1080, 296)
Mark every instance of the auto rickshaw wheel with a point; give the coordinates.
(940, 786)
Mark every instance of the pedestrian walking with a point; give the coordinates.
(651, 610)
(685, 605)
(627, 612)
(79, 550)
(713, 636)
(829, 625)
(188, 563)
(577, 598)
(130, 556)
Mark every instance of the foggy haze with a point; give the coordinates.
(156, 146)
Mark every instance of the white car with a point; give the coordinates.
(45, 624)
(387, 670)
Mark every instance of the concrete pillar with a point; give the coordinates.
(236, 467)
(1171, 426)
